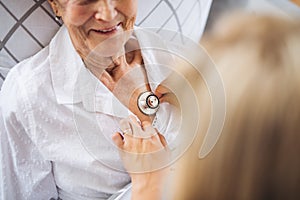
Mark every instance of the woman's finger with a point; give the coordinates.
(162, 139)
(148, 129)
(134, 55)
(137, 58)
(111, 68)
(136, 127)
(126, 127)
(133, 120)
(119, 57)
(120, 68)
(107, 80)
(118, 140)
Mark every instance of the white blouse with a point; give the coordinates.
(56, 124)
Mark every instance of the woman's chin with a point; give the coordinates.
(110, 47)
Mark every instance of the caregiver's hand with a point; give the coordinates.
(164, 90)
(144, 154)
(165, 94)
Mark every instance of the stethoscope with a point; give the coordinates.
(148, 103)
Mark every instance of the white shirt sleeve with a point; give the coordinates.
(24, 174)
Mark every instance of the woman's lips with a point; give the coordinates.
(109, 30)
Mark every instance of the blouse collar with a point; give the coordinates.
(74, 83)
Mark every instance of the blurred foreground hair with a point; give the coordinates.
(257, 154)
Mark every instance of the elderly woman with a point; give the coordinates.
(57, 118)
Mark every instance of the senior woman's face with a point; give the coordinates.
(90, 22)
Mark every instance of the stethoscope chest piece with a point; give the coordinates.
(148, 103)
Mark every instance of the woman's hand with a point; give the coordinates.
(127, 79)
(140, 142)
(145, 154)
(124, 75)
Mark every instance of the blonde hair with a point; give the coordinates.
(257, 155)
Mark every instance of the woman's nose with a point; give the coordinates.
(106, 10)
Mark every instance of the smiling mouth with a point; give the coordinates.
(109, 30)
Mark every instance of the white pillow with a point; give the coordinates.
(28, 25)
